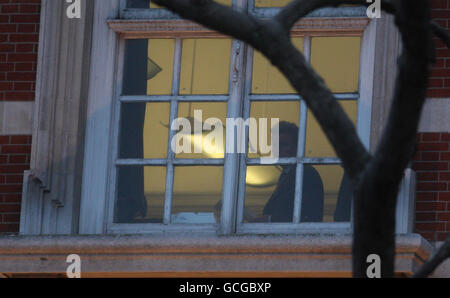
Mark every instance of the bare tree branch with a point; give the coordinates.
(269, 37)
(376, 179)
(298, 9)
(441, 33)
(374, 231)
(431, 264)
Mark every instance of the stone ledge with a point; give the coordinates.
(239, 256)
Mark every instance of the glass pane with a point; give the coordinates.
(153, 5)
(334, 198)
(148, 66)
(261, 183)
(225, 2)
(336, 59)
(267, 79)
(160, 66)
(288, 113)
(271, 3)
(197, 194)
(204, 135)
(317, 144)
(144, 130)
(145, 3)
(141, 193)
(137, 3)
(205, 66)
(312, 195)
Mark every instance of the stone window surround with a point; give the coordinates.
(66, 98)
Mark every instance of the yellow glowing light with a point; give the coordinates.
(260, 176)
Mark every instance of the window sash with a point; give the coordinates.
(231, 224)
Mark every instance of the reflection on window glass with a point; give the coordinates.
(205, 134)
(144, 130)
(337, 193)
(317, 144)
(205, 66)
(148, 66)
(197, 193)
(336, 59)
(140, 194)
(271, 3)
(288, 114)
(267, 78)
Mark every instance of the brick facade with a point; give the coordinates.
(439, 85)
(19, 37)
(14, 160)
(432, 166)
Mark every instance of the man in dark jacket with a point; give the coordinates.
(280, 206)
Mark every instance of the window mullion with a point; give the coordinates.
(300, 155)
(231, 166)
(246, 115)
(301, 142)
(173, 116)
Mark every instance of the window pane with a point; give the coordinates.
(270, 194)
(137, 3)
(312, 195)
(334, 198)
(317, 144)
(210, 141)
(141, 192)
(148, 66)
(205, 66)
(288, 114)
(160, 66)
(267, 78)
(336, 59)
(261, 183)
(271, 3)
(197, 193)
(144, 130)
(153, 5)
(145, 3)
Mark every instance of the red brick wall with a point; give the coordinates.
(439, 85)
(14, 160)
(19, 36)
(432, 162)
(432, 166)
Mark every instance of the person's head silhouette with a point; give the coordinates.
(288, 133)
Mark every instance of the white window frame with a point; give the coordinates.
(103, 114)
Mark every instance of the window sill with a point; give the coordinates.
(195, 256)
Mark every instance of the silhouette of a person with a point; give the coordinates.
(344, 201)
(280, 206)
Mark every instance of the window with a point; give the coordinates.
(170, 68)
